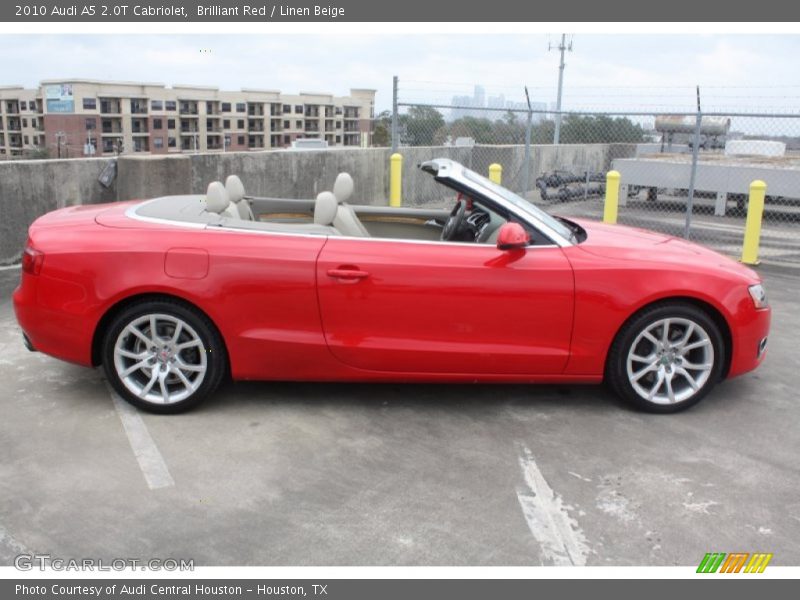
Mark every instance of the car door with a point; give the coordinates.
(432, 307)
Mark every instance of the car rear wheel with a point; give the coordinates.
(666, 358)
(163, 356)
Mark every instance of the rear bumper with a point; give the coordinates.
(47, 327)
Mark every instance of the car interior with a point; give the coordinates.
(228, 205)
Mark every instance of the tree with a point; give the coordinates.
(510, 129)
(578, 129)
(421, 124)
(382, 132)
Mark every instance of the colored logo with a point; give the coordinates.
(736, 562)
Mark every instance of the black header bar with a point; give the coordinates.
(259, 11)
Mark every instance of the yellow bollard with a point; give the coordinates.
(496, 173)
(752, 228)
(612, 197)
(395, 179)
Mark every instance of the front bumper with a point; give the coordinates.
(750, 337)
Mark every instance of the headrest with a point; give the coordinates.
(343, 187)
(235, 188)
(325, 208)
(216, 197)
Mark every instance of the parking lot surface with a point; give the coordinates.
(322, 474)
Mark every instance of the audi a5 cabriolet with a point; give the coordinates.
(172, 295)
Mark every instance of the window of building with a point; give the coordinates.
(91, 124)
(240, 140)
(298, 108)
(226, 123)
(171, 142)
(23, 105)
(241, 107)
(158, 142)
(170, 123)
(338, 139)
(338, 124)
(24, 122)
(298, 124)
(287, 124)
(287, 108)
(156, 105)
(240, 123)
(25, 140)
(287, 139)
(170, 105)
(158, 123)
(34, 123)
(226, 107)
(90, 103)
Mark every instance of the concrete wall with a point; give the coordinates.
(31, 188)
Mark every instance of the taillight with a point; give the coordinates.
(32, 260)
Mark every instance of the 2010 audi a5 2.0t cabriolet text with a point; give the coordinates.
(172, 295)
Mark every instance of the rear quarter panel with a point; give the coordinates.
(259, 289)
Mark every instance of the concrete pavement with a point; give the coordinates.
(346, 474)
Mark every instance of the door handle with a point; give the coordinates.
(347, 274)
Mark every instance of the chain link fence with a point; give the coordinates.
(682, 173)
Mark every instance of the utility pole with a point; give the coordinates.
(395, 141)
(563, 47)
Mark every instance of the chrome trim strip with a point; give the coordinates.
(132, 214)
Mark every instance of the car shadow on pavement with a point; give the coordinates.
(431, 397)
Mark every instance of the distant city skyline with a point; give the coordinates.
(471, 106)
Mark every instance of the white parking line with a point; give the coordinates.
(559, 536)
(9, 267)
(151, 462)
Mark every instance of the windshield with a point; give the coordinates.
(520, 203)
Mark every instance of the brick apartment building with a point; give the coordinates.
(78, 117)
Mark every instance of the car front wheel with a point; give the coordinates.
(163, 356)
(666, 358)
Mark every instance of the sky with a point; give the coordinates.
(603, 72)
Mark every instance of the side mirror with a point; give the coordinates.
(512, 236)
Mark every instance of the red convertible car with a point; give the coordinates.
(175, 294)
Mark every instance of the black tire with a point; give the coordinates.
(668, 359)
(205, 361)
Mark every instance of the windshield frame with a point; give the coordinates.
(459, 178)
(520, 203)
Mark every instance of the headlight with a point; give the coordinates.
(759, 295)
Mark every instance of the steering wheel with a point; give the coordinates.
(454, 221)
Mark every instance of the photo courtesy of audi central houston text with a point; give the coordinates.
(381, 295)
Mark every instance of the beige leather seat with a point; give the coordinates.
(346, 220)
(325, 209)
(217, 200)
(239, 207)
